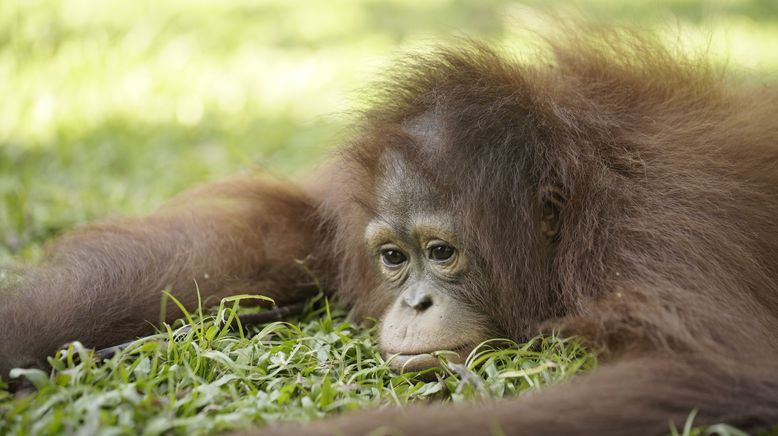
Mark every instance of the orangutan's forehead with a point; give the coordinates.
(402, 191)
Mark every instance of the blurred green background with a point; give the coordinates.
(107, 107)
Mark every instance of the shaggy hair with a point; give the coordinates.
(667, 258)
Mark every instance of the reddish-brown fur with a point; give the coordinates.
(666, 261)
(102, 284)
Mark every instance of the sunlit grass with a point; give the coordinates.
(205, 376)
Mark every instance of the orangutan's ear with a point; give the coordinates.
(552, 200)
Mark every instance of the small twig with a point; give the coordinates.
(107, 353)
(276, 314)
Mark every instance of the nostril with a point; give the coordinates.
(423, 304)
(419, 302)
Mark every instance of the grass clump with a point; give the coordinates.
(203, 376)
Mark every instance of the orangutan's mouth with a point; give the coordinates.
(405, 362)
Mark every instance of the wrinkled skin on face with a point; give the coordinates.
(427, 268)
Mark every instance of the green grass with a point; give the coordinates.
(109, 107)
(206, 377)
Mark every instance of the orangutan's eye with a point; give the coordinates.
(441, 253)
(392, 257)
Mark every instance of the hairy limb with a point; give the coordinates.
(640, 396)
(103, 284)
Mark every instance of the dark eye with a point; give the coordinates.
(392, 257)
(441, 252)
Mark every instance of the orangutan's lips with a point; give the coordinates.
(423, 360)
(456, 349)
